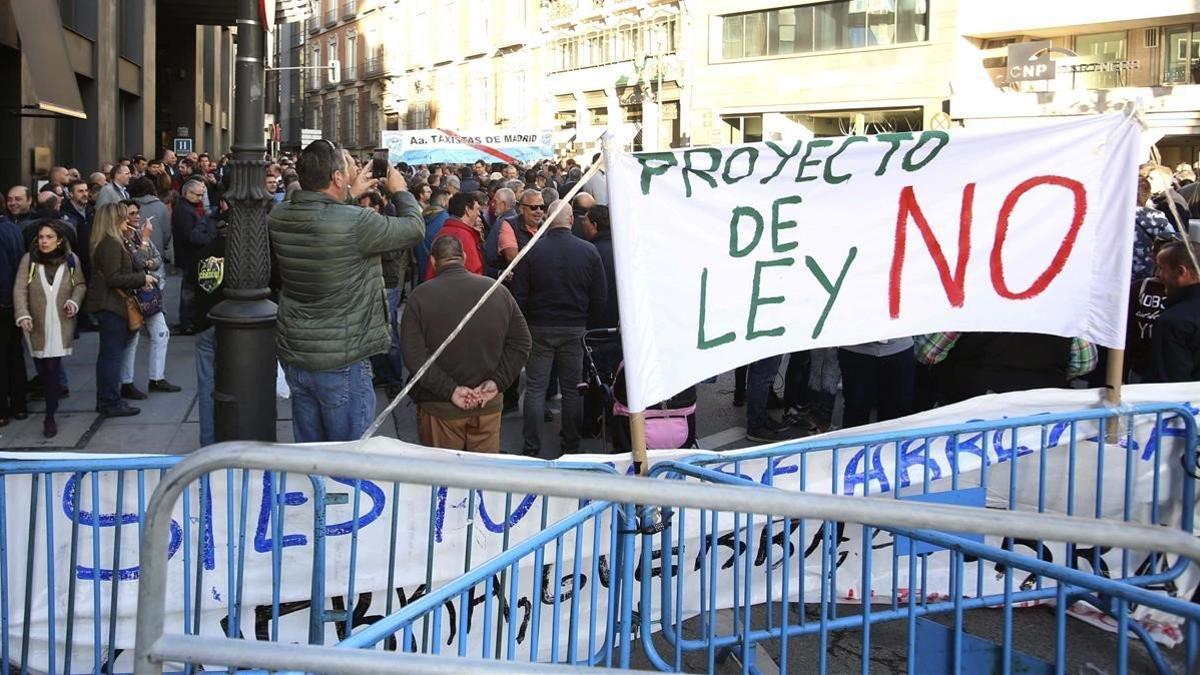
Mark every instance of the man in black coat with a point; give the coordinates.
(1175, 350)
(191, 229)
(560, 286)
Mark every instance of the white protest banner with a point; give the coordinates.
(728, 255)
(458, 518)
(449, 146)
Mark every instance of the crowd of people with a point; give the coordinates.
(373, 273)
(94, 255)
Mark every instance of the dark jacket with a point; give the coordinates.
(333, 306)
(610, 317)
(493, 346)
(190, 232)
(998, 362)
(435, 218)
(11, 250)
(112, 269)
(394, 265)
(208, 291)
(491, 242)
(1175, 349)
(561, 282)
(82, 221)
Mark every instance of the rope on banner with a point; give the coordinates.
(564, 202)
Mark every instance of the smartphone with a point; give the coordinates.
(379, 164)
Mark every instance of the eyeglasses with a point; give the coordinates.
(535, 207)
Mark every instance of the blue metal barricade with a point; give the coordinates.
(69, 564)
(565, 612)
(248, 552)
(715, 584)
(579, 622)
(560, 609)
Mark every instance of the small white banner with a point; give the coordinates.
(725, 255)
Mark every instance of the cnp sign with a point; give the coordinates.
(1030, 61)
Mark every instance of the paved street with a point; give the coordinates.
(168, 422)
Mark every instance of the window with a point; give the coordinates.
(350, 66)
(317, 73)
(615, 45)
(846, 24)
(330, 118)
(743, 128)
(350, 120)
(1102, 48)
(1182, 62)
(333, 56)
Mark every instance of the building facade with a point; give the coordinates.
(138, 73)
(673, 73)
(617, 64)
(769, 71)
(419, 64)
(344, 56)
(195, 83)
(1103, 57)
(109, 68)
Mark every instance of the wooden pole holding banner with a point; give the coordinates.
(637, 432)
(637, 420)
(1112, 392)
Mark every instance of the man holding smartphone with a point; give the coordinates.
(332, 304)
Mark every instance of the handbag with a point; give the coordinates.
(133, 311)
(150, 301)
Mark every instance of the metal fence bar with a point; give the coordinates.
(332, 460)
(310, 658)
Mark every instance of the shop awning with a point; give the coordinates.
(45, 50)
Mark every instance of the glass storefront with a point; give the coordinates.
(792, 126)
(1102, 48)
(828, 26)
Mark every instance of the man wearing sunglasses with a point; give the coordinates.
(333, 313)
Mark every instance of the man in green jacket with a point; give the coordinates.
(333, 313)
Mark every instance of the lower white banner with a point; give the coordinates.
(439, 533)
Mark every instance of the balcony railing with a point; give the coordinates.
(331, 16)
(349, 9)
(314, 25)
(373, 66)
(349, 72)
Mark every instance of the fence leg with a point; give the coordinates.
(316, 607)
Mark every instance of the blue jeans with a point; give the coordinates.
(114, 336)
(206, 354)
(331, 405)
(758, 383)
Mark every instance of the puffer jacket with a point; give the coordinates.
(333, 306)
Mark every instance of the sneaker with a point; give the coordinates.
(131, 392)
(770, 432)
(164, 386)
(122, 409)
